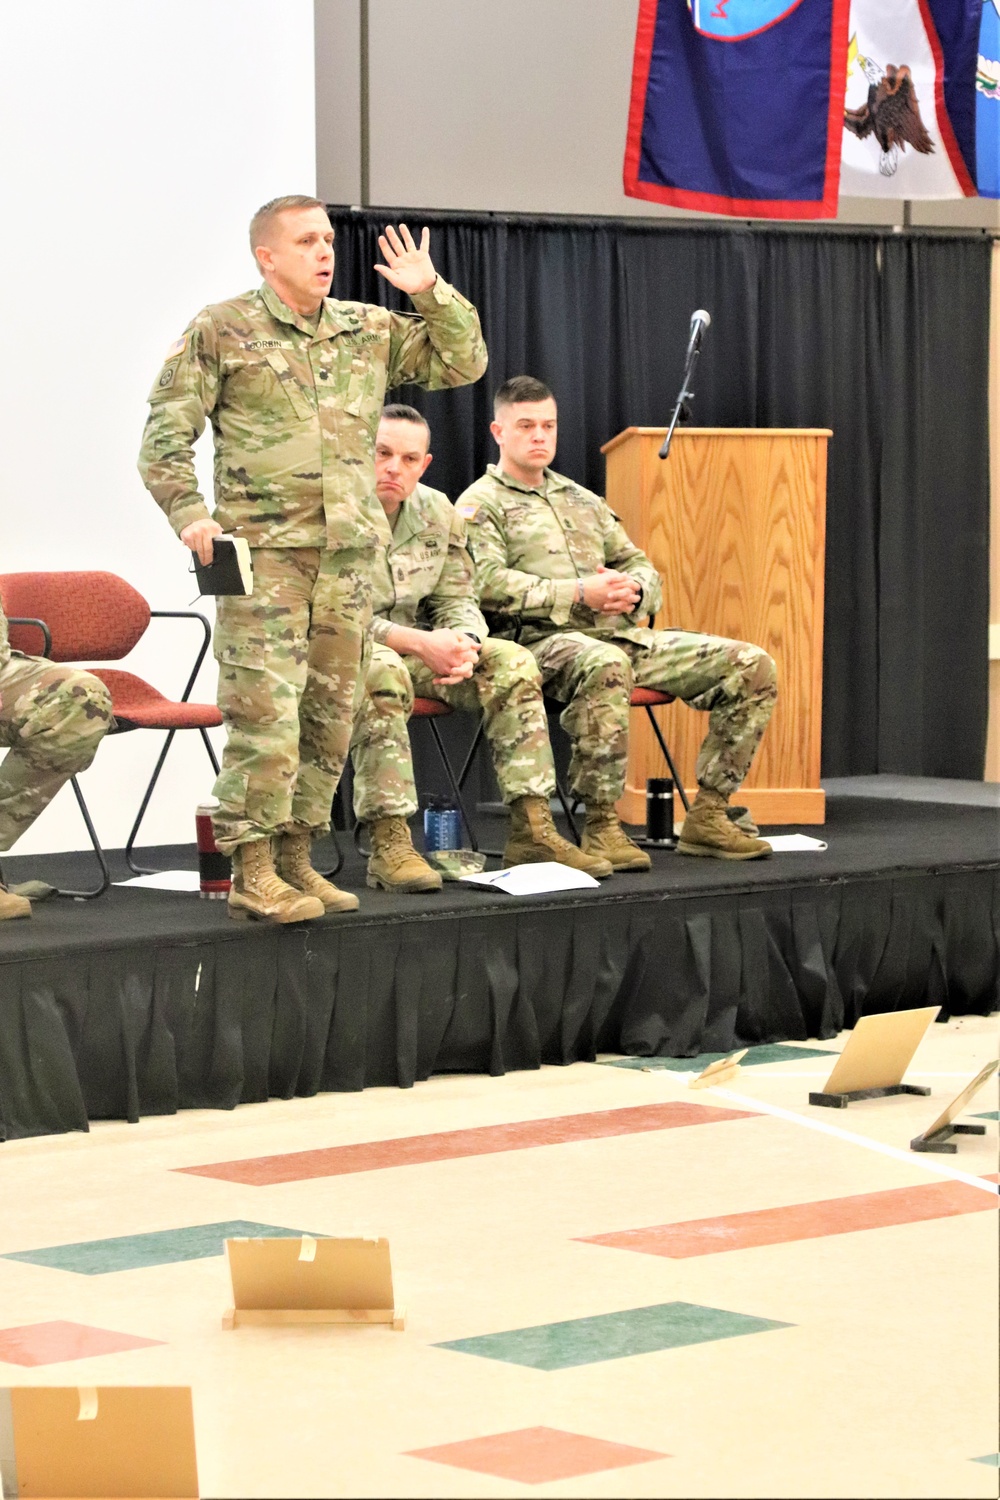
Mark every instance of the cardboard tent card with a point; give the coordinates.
(877, 1054)
(108, 1441)
(936, 1136)
(306, 1280)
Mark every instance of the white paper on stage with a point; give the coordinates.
(166, 880)
(792, 843)
(534, 880)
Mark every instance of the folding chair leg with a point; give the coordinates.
(329, 874)
(467, 767)
(99, 852)
(568, 811)
(678, 783)
(130, 841)
(456, 792)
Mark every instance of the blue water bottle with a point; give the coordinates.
(442, 825)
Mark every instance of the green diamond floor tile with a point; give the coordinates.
(991, 1114)
(992, 1459)
(161, 1247)
(771, 1053)
(618, 1335)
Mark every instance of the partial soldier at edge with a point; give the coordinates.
(52, 719)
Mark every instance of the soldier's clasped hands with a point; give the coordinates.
(448, 653)
(611, 592)
(408, 266)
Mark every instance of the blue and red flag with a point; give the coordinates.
(738, 106)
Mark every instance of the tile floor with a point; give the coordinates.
(614, 1286)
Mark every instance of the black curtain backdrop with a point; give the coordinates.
(883, 338)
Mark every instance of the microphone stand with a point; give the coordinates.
(684, 395)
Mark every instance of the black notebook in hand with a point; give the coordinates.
(231, 568)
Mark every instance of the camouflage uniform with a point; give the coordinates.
(425, 579)
(530, 546)
(53, 719)
(294, 405)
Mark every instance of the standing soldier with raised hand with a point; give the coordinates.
(293, 384)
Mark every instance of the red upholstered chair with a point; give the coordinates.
(85, 617)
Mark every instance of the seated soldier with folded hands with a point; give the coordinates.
(430, 640)
(553, 558)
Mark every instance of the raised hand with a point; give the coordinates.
(408, 266)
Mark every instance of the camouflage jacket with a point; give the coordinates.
(425, 577)
(294, 410)
(530, 547)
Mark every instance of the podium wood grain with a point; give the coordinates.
(734, 521)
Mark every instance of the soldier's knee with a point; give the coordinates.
(762, 674)
(85, 698)
(512, 662)
(606, 669)
(389, 687)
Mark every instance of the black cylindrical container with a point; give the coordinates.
(660, 812)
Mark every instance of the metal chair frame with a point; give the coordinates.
(569, 806)
(154, 614)
(455, 783)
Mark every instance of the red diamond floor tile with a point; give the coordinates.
(537, 1455)
(58, 1341)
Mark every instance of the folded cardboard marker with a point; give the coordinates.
(306, 1280)
(88, 1441)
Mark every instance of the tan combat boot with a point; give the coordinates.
(394, 863)
(534, 839)
(605, 838)
(295, 867)
(708, 830)
(13, 906)
(259, 891)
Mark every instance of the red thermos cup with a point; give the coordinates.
(214, 869)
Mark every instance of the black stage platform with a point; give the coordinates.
(147, 1002)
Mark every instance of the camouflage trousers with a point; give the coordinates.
(53, 719)
(505, 687)
(594, 676)
(292, 658)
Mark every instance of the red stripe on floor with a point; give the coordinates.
(801, 1221)
(409, 1151)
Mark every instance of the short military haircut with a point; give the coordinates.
(265, 216)
(520, 388)
(397, 412)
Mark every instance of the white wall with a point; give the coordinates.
(138, 140)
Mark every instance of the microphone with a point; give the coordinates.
(700, 320)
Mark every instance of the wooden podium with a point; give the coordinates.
(734, 521)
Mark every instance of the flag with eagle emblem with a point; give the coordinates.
(737, 106)
(910, 103)
(774, 108)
